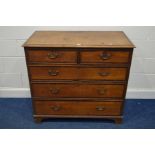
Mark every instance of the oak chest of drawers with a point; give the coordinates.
(78, 74)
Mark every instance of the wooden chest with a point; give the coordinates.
(78, 74)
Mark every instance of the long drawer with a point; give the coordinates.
(76, 73)
(77, 108)
(77, 90)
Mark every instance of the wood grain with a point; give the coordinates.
(77, 90)
(102, 56)
(92, 39)
(52, 56)
(77, 73)
(77, 108)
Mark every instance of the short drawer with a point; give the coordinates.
(52, 56)
(77, 73)
(101, 56)
(77, 108)
(82, 90)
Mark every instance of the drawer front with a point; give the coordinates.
(52, 56)
(77, 108)
(77, 90)
(101, 56)
(77, 73)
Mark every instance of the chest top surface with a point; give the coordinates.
(79, 39)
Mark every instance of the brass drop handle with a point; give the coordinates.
(100, 108)
(105, 56)
(55, 108)
(53, 55)
(102, 91)
(53, 72)
(104, 73)
(54, 90)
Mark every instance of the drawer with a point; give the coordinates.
(77, 73)
(52, 56)
(77, 90)
(77, 108)
(101, 56)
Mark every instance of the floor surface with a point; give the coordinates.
(17, 114)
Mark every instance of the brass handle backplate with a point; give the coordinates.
(103, 73)
(100, 108)
(55, 108)
(53, 72)
(102, 91)
(54, 90)
(105, 56)
(53, 55)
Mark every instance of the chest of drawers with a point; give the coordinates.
(78, 74)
